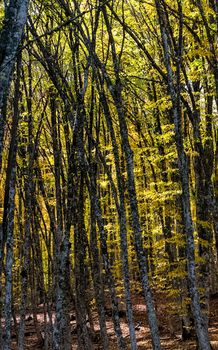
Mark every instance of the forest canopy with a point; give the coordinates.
(108, 171)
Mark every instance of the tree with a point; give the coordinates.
(15, 15)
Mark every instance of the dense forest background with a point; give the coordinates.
(109, 171)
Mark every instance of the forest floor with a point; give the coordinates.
(170, 332)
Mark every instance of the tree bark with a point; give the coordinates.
(10, 38)
(9, 212)
(174, 90)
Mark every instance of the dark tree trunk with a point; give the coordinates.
(8, 217)
(62, 333)
(174, 90)
(10, 38)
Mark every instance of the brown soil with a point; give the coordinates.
(170, 332)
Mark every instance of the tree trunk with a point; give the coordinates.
(9, 212)
(62, 333)
(10, 38)
(201, 329)
(122, 223)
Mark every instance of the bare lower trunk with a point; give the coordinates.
(97, 279)
(9, 263)
(8, 217)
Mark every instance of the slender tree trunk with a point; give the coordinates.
(83, 334)
(122, 223)
(97, 280)
(201, 330)
(62, 334)
(9, 212)
(94, 251)
(28, 206)
(215, 213)
(142, 259)
(9, 262)
(10, 38)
